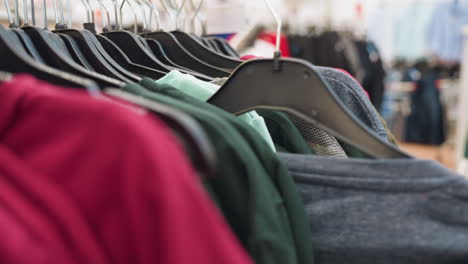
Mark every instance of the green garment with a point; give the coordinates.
(204, 90)
(466, 148)
(353, 152)
(241, 187)
(295, 215)
(390, 136)
(284, 133)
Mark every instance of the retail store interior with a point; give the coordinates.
(234, 131)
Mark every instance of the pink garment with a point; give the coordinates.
(248, 57)
(87, 180)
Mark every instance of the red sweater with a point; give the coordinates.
(85, 180)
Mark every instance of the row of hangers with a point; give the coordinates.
(96, 61)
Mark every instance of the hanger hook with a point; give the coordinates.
(61, 24)
(116, 14)
(151, 11)
(26, 12)
(33, 13)
(135, 25)
(44, 13)
(196, 17)
(69, 14)
(62, 11)
(164, 6)
(143, 11)
(90, 10)
(105, 12)
(8, 10)
(88, 17)
(168, 4)
(157, 16)
(56, 12)
(17, 14)
(179, 11)
(278, 26)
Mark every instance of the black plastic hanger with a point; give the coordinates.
(292, 85)
(178, 54)
(209, 44)
(28, 44)
(75, 52)
(111, 60)
(228, 47)
(224, 46)
(94, 56)
(181, 56)
(209, 56)
(214, 45)
(158, 51)
(15, 59)
(199, 147)
(120, 57)
(138, 53)
(129, 43)
(50, 47)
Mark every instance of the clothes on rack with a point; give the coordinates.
(360, 58)
(260, 219)
(425, 123)
(204, 90)
(122, 154)
(355, 99)
(422, 213)
(412, 30)
(69, 195)
(445, 35)
(375, 74)
(416, 30)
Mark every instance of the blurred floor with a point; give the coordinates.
(444, 154)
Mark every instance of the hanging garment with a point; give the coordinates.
(286, 136)
(269, 217)
(445, 34)
(425, 124)
(381, 28)
(79, 199)
(326, 49)
(354, 98)
(374, 79)
(321, 143)
(204, 90)
(411, 31)
(289, 133)
(352, 53)
(382, 212)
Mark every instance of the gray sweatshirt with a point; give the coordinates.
(379, 212)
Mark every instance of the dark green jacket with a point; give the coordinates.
(242, 188)
(285, 135)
